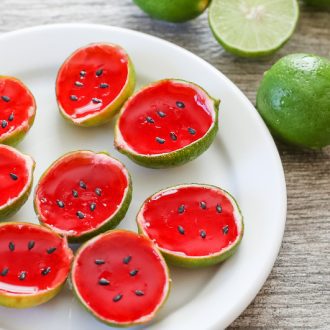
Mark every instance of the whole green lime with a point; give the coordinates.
(318, 3)
(294, 100)
(173, 10)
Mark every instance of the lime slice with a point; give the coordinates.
(253, 28)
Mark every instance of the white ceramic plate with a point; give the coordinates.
(243, 160)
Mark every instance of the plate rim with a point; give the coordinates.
(253, 290)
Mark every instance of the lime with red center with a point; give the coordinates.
(193, 225)
(167, 123)
(82, 194)
(121, 278)
(93, 83)
(16, 176)
(17, 110)
(34, 264)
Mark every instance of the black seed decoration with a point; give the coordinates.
(82, 184)
(99, 72)
(181, 230)
(160, 140)
(203, 205)
(82, 73)
(139, 293)
(98, 191)
(104, 281)
(191, 131)
(75, 193)
(180, 104)
(78, 83)
(11, 117)
(60, 204)
(225, 229)
(173, 136)
(117, 298)
(133, 272)
(161, 114)
(104, 85)
(73, 98)
(31, 245)
(150, 120)
(51, 250)
(80, 215)
(5, 271)
(96, 100)
(92, 206)
(13, 176)
(22, 276)
(4, 123)
(181, 209)
(218, 208)
(11, 246)
(127, 259)
(46, 271)
(202, 233)
(5, 98)
(99, 262)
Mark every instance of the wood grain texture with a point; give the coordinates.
(297, 293)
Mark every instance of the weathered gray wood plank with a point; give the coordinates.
(297, 293)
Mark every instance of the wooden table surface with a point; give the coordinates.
(297, 293)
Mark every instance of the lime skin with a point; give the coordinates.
(294, 100)
(175, 11)
(318, 3)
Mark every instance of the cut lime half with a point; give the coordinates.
(253, 28)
